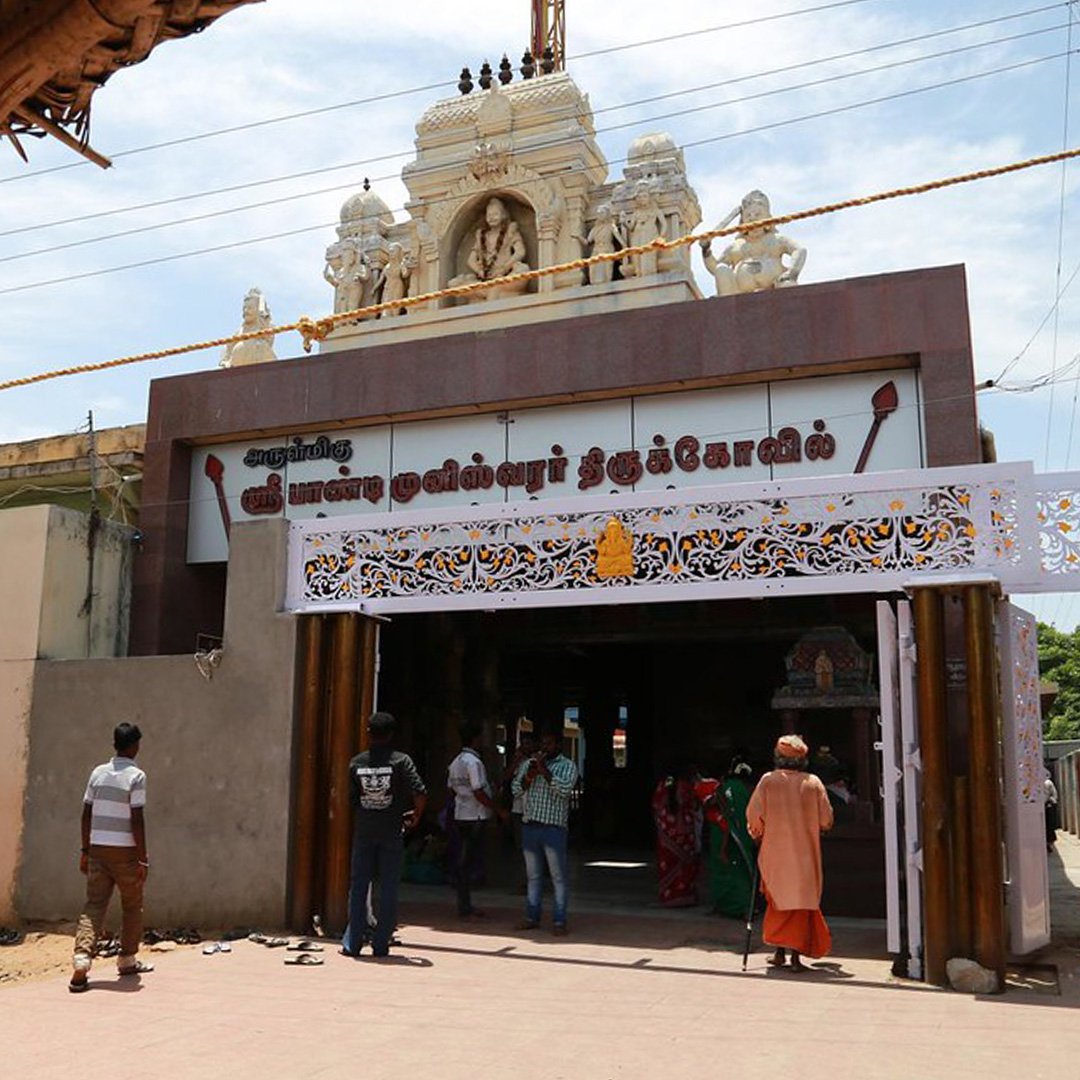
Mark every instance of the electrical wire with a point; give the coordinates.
(540, 120)
(836, 111)
(561, 141)
(741, 24)
(1061, 239)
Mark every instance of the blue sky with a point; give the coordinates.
(285, 56)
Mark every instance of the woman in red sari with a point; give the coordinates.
(678, 840)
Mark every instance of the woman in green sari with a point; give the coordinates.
(730, 847)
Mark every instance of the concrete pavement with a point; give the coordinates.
(624, 996)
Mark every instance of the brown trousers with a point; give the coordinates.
(109, 867)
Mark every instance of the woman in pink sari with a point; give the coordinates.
(678, 840)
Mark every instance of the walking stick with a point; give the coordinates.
(750, 914)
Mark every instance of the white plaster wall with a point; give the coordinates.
(22, 567)
(16, 677)
(217, 754)
(67, 628)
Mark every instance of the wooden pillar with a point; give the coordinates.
(961, 882)
(369, 663)
(344, 671)
(930, 644)
(988, 914)
(304, 845)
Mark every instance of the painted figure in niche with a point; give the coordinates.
(498, 250)
(394, 278)
(823, 672)
(347, 269)
(755, 261)
(644, 223)
(256, 350)
(605, 238)
(614, 551)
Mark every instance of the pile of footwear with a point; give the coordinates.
(182, 935)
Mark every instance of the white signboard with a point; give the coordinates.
(807, 427)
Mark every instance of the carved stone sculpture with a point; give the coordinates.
(256, 350)
(644, 224)
(348, 271)
(754, 261)
(393, 282)
(498, 249)
(604, 238)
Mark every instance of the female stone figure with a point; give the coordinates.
(498, 250)
(348, 271)
(256, 316)
(394, 279)
(645, 223)
(605, 238)
(755, 260)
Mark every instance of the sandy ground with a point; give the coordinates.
(45, 951)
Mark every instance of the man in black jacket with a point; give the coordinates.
(389, 798)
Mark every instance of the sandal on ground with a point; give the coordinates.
(305, 946)
(9, 937)
(303, 960)
(138, 968)
(216, 947)
(77, 984)
(275, 942)
(776, 960)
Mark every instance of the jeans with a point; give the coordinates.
(110, 867)
(540, 842)
(472, 836)
(370, 857)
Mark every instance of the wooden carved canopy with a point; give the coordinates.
(55, 53)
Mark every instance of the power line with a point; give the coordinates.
(562, 140)
(839, 110)
(435, 86)
(785, 69)
(1061, 235)
(318, 330)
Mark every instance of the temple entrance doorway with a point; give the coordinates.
(642, 690)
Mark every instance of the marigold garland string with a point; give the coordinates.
(312, 330)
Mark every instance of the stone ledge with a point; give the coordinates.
(670, 288)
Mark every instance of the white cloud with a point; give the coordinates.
(291, 56)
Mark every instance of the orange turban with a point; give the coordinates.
(791, 746)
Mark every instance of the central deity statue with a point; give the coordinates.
(614, 551)
(498, 249)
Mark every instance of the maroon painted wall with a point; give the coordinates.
(918, 317)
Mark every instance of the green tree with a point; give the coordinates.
(1059, 662)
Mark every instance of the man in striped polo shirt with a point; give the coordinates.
(113, 855)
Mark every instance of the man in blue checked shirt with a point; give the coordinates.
(545, 781)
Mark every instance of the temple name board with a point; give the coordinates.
(808, 427)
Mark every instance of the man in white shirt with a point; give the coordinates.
(473, 806)
(113, 854)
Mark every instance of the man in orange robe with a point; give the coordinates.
(787, 813)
